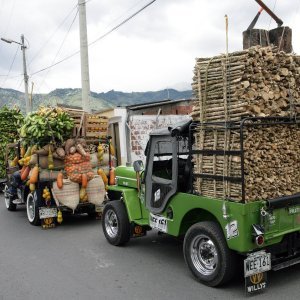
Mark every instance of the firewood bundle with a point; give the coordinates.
(271, 162)
(213, 162)
(254, 82)
(258, 82)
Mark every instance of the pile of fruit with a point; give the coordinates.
(11, 120)
(48, 124)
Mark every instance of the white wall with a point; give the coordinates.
(142, 125)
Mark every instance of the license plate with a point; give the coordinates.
(98, 208)
(258, 262)
(47, 212)
(158, 222)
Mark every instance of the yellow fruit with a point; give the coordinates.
(14, 162)
(82, 193)
(28, 151)
(59, 217)
(22, 151)
(112, 150)
(103, 176)
(33, 149)
(32, 187)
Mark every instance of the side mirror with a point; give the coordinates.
(138, 166)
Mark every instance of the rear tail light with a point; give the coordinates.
(259, 240)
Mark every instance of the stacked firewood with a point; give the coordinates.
(258, 82)
(254, 82)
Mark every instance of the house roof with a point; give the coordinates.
(156, 103)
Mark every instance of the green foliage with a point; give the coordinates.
(10, 121)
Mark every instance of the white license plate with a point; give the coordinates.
(158, 222)
(99, 208)
(258, 262)
(47, 212)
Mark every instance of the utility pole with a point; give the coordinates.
(28, 105)
(23, 48)
(84, 55)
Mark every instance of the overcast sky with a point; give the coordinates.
(153, 51)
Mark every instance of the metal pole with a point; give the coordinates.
(23, 47)
(85, 79)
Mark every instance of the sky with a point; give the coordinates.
(154, 50)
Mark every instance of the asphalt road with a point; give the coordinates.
(74, 261)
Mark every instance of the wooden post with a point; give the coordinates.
(254, 37)
(282, 38)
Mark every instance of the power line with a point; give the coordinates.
(124, 13)
(273, 11)
(122, 23)
(61, 45)
(11, 65)
(52, 35)
(10, 16)
(98, 39)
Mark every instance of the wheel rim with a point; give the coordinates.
(204, 255)
(111, 223)
(30, 207)
(6, 197)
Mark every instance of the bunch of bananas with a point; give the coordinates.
(46, 124)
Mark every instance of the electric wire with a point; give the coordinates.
(60, 47)
(98, 39)
(11, 65)
(52, 35)
(10, 16)
(122, 23)
(271, 17)
(124, 13)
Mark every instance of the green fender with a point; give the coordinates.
(189, 209)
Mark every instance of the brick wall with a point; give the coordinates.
(142, 125)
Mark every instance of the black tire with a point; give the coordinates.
(207, 255)
(8, 201)
(32, 209)
(115, 223)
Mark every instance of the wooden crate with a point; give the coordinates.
(95, 126)
(78, 116)
(89, 126)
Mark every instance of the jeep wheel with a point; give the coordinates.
(8, 201)
(207, 255)
(115, 223)
(32, 209)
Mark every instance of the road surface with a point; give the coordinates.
(74, 261)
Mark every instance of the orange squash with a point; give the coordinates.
(84, 180)
(25, 173)
(112, 179)
(59, 179)
(34, 174)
